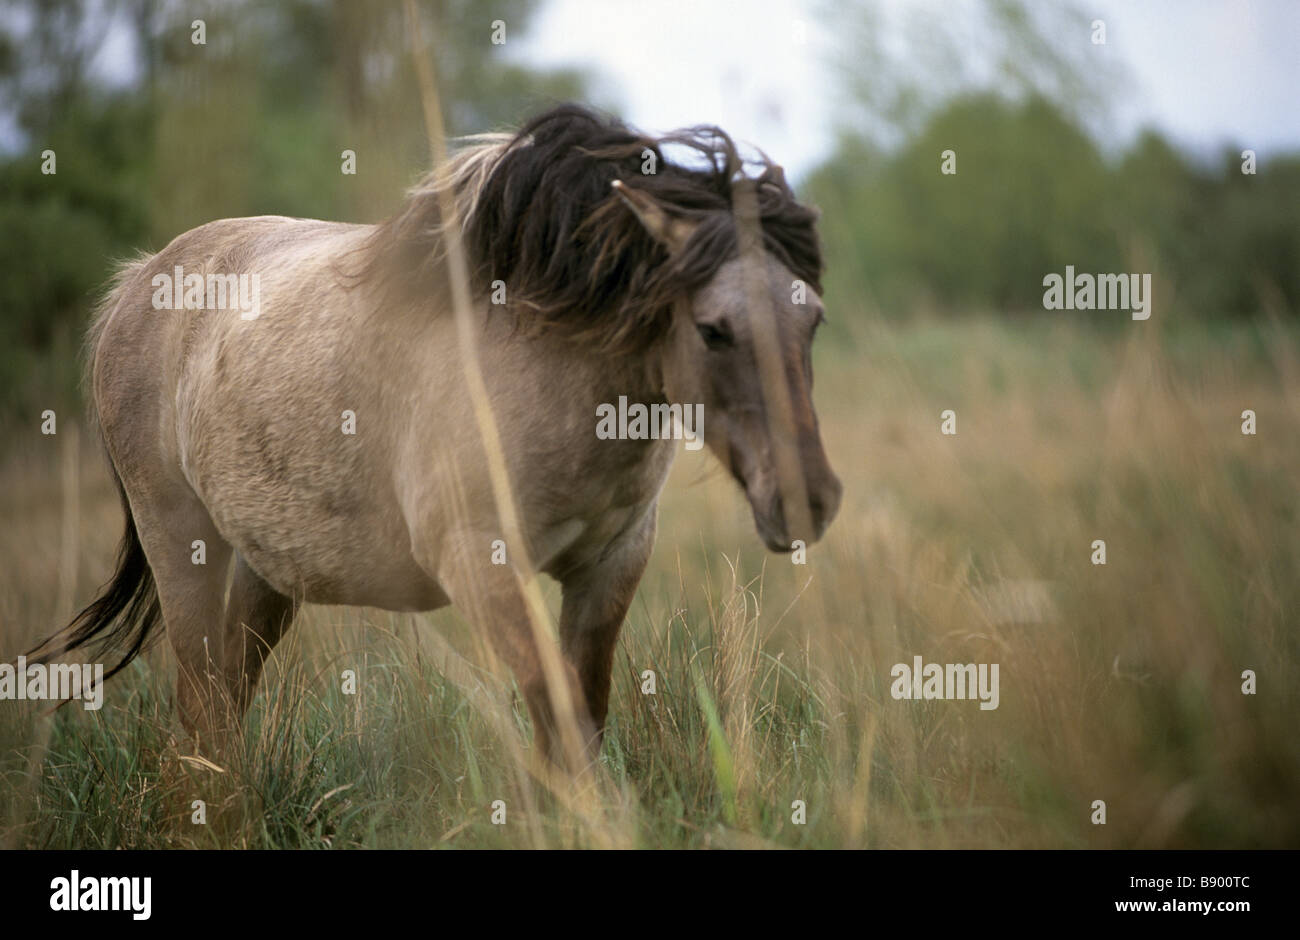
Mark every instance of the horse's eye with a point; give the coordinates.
(715, 335)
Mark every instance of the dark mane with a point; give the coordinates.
(542, 217)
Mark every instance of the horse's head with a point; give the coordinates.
(740, 345)
(728, 327)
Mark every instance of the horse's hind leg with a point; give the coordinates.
(220, 647)
(191, 582)
(257, 616)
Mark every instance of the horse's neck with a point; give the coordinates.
(582, 369)
(611, 376)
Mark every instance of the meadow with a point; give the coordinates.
(1119, 682)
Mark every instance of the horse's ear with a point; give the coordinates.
(672, 233)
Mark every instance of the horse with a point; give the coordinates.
(319, 437)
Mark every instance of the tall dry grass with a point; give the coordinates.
(1119, 682)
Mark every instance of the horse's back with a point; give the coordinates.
(245, 405)
(145, 342)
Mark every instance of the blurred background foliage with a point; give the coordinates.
(1033, 193)
(257, 123)
(1122, 681)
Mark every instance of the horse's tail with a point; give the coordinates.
(125, 613)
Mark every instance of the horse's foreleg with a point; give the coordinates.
(596, 601)
(492, 600)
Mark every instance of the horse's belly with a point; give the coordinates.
(339, 569)
(323, 537)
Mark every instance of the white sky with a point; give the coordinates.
(1204, 71)
(672, 63)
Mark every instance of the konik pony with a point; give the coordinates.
(227, 425)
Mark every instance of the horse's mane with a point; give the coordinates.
(539, 215)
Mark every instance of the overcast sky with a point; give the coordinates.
(1203, 71)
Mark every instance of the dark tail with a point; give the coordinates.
(123, 616)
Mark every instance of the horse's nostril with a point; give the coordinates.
(824, 502)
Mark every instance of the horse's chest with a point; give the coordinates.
(592, 501)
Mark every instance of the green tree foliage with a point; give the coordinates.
(1032, 194)
(253, 121)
